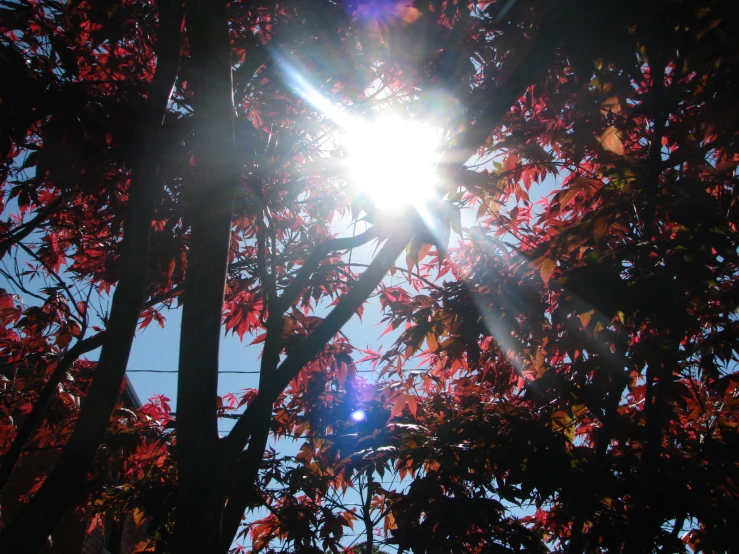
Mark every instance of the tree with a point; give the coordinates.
(598, 383)
(580, 351)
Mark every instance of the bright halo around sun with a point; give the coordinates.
(392, 161)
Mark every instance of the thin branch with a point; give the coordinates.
(319, 254)
(56, 278)
(16, 283)
(171, 293)
(20, 232)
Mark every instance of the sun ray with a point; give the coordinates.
(391, 158)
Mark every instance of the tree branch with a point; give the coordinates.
(254, 423)
(20, 232)
(54, 275)
(300, 281)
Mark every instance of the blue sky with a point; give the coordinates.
(156, 348)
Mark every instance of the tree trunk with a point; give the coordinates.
(201, 492)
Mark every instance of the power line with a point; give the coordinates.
(222, 371)
(177, 371)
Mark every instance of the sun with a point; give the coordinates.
(392, 160)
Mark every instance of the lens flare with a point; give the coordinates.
(392, 160)
(358, 415)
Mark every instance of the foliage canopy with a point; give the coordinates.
(564, 375)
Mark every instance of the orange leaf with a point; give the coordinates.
(612, 141)
(610, 105)
(138, 516)
(409, 14)
(546, 269)
(142, 547)
(433, 344)
(510, 162)
(585, 318)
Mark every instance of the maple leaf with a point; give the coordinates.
(612, 140)
(568, 333)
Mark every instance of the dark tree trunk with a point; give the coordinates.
(201, 493)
